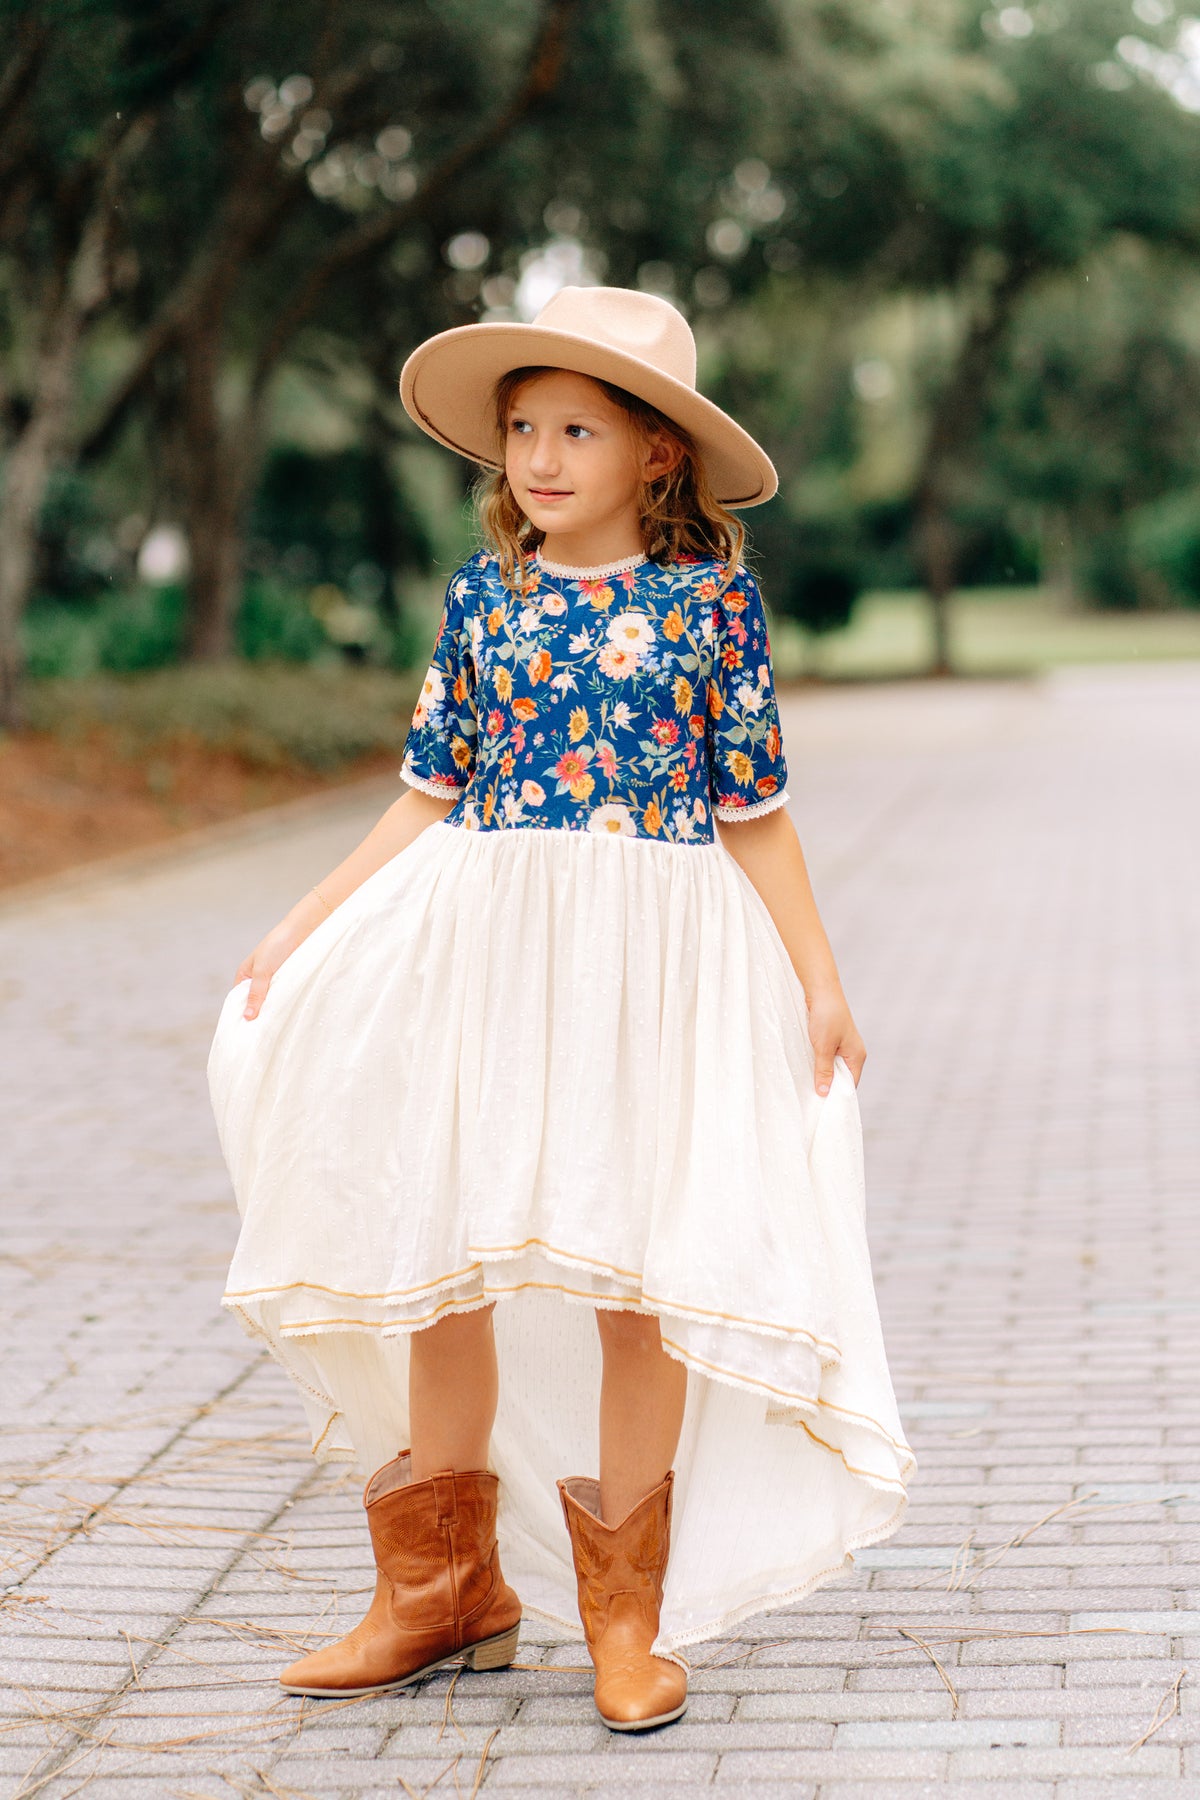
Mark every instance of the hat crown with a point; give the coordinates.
(635, 324)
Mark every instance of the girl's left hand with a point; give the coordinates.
(833, 1032)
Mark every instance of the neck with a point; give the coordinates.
(587, 550)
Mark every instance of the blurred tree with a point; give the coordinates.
(952, 149)
(1084, 145)
(81, 93)
(1094, 413)
(786, 228)
(272, 187)
(746, 165)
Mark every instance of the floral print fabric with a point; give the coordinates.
(636, 704)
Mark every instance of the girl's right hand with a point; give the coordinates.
(259, 967)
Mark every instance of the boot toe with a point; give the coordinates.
(655, 1696)
(309, 1673)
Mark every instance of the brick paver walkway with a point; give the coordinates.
(1010, 875)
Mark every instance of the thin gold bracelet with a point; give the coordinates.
(323, 900)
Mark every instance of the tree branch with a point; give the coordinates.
(17, 83)
(21, 71)
(542, 74)
(252, 210)
(246, 219)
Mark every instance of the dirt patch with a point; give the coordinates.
(63, 803)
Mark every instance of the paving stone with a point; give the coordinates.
(774, 1789)
(921, 1790)
(824, 1765)
(844, 1706)
(557, 1772)
(943, 1734)
(985, 1678)
(1151, 1759)
(1127, 1726)
(1124, 1787)
(1134, 1671)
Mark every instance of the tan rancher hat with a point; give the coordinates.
(636, 341)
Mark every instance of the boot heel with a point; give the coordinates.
(495, 1652)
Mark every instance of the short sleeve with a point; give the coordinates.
(747, 770)
(439, 754)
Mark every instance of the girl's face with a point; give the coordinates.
(574, 461)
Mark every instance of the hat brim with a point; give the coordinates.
(447, 383)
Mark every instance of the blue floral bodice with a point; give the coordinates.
(639, 703)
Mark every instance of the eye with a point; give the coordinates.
(582, 430)
(519, 425)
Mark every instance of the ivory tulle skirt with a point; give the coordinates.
(560, 1070)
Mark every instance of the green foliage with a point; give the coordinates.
(1098, 391)
(143, 628)
(123, 632)
(1164, 543)
(276, 624)
(340, 517)
(812, 572)
(268, 715)
(1093, 421)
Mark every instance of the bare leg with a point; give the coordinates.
(642, 1396)
(453, 1387)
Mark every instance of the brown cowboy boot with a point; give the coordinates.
(620, 1570)
(439, 1593)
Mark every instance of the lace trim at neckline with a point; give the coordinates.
(620, 567)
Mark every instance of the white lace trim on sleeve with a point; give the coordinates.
(733, 815)
(441, 790)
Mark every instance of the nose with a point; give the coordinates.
(543, 456)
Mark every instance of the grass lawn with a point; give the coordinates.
(994, 631)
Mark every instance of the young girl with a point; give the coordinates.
(545, 1097)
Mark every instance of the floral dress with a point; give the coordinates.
(554, 1055)
(639, 703)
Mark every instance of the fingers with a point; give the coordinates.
(854, 1058)
(245, 969)
(254, 999)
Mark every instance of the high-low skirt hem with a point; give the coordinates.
(564, 1072)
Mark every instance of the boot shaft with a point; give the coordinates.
(628, 1558)
(435, 1540)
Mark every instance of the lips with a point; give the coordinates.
(550, 493)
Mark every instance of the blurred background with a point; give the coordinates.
(942, 258)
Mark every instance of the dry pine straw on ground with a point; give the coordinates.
(68, 802)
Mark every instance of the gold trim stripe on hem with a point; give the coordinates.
(312, 1327)
(753, 1381)
(497, 1252)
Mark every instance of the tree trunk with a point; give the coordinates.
(384, 538)
(952, 429)
(31, 461)
(217, 467)
(937, 554)
(27, 470)
(1058, 558)
(215, 546)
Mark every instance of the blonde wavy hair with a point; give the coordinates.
(680, 514)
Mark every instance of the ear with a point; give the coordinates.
(661, 456)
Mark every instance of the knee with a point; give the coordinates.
(628, 1333)
(456, 1331)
